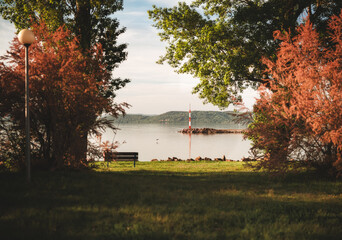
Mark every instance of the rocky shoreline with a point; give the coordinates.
(198, 159)
(210, 131)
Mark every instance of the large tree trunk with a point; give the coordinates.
(83, 23)
(78, 149)
(58, 148)
(83, 30)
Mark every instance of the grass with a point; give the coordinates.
(169, 200)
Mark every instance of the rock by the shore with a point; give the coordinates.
(210, 131)
(248, 159)
(198, 159)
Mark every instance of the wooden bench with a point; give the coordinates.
(120, 156)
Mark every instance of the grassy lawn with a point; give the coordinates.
(169, 200)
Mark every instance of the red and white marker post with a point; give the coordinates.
(189, 116)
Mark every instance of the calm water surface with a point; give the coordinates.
(162, 141)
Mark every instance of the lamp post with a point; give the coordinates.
(26, 37)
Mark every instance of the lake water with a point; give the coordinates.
(160, 141)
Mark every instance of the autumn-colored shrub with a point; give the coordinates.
(67, 89)
(299, 114)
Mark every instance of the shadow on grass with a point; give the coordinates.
(168, 205)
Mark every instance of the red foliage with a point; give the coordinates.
(300, 115)
(66, 93)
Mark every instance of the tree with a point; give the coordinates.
(90, 21)
(221, 42)
(65, 88)
(299, 115)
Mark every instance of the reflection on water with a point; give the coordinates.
(162, 141)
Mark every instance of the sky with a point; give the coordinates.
(154, 88)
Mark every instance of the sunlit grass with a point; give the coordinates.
(169, 200)
(182, 167)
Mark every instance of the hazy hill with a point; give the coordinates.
(179, 117)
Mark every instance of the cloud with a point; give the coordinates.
(7, 33)
(168, 3)
(136, 13)
(156, 99)
(144, 49)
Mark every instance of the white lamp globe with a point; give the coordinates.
(26, 37)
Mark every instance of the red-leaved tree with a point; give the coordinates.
(66, 98)
(299, 114)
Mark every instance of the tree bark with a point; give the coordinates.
(83, 23)
(83, 30)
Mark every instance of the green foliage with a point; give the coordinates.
(169, 200)
(222, 42)
(91, 21)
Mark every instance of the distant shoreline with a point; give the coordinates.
(199, 118)
(210, 131)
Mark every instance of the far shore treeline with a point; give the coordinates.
(182, 117)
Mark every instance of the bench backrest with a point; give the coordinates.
(125, 156)
(121, 156)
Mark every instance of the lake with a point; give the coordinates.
(160, 141)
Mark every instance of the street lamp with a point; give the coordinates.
(26, 37)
